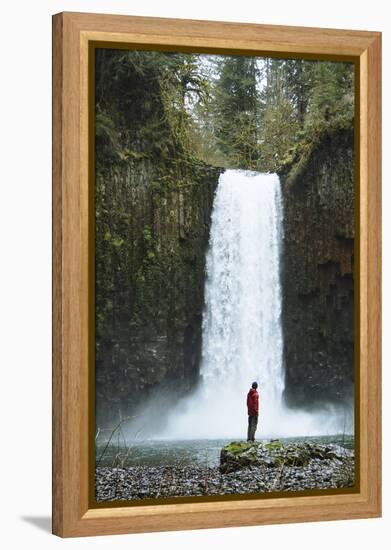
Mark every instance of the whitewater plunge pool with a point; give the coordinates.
(205, 452)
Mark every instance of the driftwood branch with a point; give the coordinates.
(118, 427)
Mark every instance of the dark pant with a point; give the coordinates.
(252, 426)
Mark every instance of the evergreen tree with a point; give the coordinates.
(331, 103)
(235, 111)
(278, 119)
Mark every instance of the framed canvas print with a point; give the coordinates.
(216, 274)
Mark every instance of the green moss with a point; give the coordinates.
(237, 447)
(118, 242)
(273, 445)
(297, 168)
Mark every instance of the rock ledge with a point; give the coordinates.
(241, 454)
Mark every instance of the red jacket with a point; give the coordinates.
(253, 402)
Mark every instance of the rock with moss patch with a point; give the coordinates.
(273, 454)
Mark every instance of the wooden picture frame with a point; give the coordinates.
(73, 34)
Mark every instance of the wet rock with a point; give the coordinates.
(317, 275)
(238, 455)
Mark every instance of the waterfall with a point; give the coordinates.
(242, 332)
(242, 335)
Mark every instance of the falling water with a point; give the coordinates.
(242, 336)
(242, 333)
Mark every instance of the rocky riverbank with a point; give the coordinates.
(244, 468)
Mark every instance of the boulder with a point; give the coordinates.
(238, 455)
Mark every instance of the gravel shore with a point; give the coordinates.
(139, 482)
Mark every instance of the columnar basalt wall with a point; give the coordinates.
(152, 231)
(318, 273)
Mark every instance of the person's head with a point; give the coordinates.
(254, 385)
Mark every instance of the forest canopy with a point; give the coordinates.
(236, 112)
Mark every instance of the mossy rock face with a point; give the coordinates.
(317, 278)
(237, 447)
(274, 444)
(237, 455)
(274, 454)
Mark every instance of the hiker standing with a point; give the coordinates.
(253, 411)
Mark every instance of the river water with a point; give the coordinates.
(187, 452)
